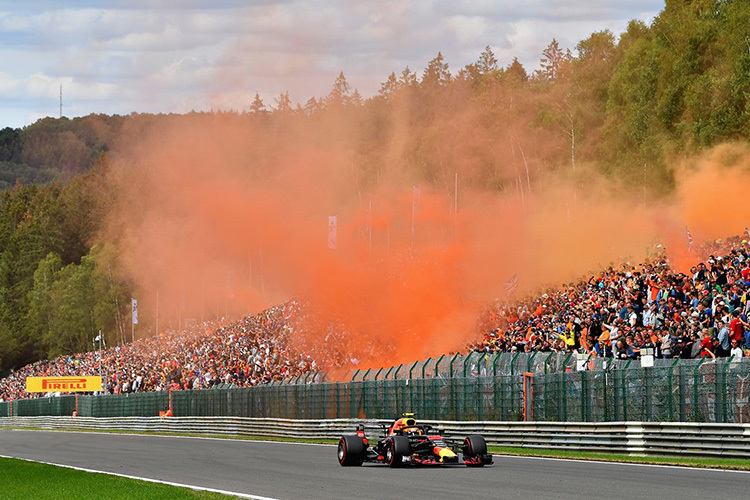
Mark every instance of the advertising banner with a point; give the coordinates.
(63, 384)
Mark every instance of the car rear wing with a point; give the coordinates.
(383, 428)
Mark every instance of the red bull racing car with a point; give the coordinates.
(406, 443)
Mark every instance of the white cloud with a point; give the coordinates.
(143, 56)
(8, 84)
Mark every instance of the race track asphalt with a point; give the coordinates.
(293, 471)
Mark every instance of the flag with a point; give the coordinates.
(332, 232)
(135, 311)
(689, 239)
(414, 209)
(511, 285)
(415, 195)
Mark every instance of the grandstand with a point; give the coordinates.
(618, 313)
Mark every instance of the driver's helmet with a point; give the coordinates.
(402, 424)
(416, 431)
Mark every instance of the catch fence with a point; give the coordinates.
(671, 391)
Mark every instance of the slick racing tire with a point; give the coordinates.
(475, 448)
(395, 450)
(351, 451)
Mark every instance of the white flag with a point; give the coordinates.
(135, 311)
(332, 232)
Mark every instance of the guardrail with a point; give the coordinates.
(635, 438)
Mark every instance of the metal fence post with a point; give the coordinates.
(480, 386)
(465, 382)
(624, 392)
(437, 365)
(338, 400)
(648, 376)
(411, 370)
(424, 367)
(354, 377)
(670, 390)
(351, 398)
(451, 381)
(721, 390)
(450, 365)
(682, 393)
(435, 386)
(605, 376)
(547, 395)
(696, 409)
(585, 392)
(546, 362)
(531, 358)
(513, 380)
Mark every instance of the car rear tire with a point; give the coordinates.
(351, 451)
(475, 448)
(396, 449)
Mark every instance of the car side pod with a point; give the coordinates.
(475, 451)
(351, 451)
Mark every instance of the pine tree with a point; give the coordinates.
(487, 62)
(388, 87)
(311, 106)
(341, 93)
(407, 78)
(257, 106)
(436, 74)
(554, 62)
(283, 103)
(516, 73)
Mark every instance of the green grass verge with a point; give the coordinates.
(22, 480)
(711, 463)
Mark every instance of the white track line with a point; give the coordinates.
(631, 464)
(147, 479)
(152, 434)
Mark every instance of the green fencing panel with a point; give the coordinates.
(62, 405)
(142, 404)
(736, 379)
(477, 386)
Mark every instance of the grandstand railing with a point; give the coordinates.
(671, 391)
(483, 364)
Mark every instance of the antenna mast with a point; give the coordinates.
(60, 99)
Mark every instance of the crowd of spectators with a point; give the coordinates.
(616, 313)
(622, 311)
(252, 351)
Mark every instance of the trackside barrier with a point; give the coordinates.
(455, 389)
(635, 438)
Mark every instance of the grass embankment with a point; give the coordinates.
(708, 463)
(22, 480)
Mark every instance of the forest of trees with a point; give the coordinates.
(624, 106)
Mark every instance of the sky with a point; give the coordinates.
(120, 57)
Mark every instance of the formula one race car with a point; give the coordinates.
(405, 442)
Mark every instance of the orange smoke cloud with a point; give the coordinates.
(227, 214)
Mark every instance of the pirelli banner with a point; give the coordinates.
(63, 384)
